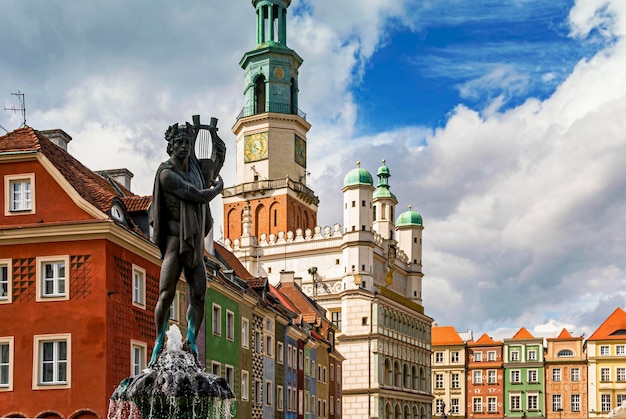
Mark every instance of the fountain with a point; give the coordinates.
(175, 386)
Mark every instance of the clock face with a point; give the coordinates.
(300, 151)
(255, 147)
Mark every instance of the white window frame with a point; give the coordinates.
(605, 402)
(535, 397)
(269, 345)
(245, 385)
(532, 355)
(529, 376)
(139, 286)
(477, 377)
(492, 377)
(9, 181)
(455, 357)
(280, 398)
(491, 356)
(620, 374)
(438, 357)
(300, 358)
(575, 402)
(605, 350)
(8, 264)
(8, 364)
(620, 350)
(258, 392)
(245, 333)
(519, 376)
(514, 355)
(269, 393)
(230, 325)
(137, 367)
(518, 397)
(454, 405)
(575, 374)
(455, 381)
(557, 403)
(492, 404)
(556, 375)
(57, 296)
(280, 352)
(438, 381)
(477, 404)
(38, 342)
(605, 374)
(229, 377)
(216, 320)
(478, 357)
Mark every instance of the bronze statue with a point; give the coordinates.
(181, 218)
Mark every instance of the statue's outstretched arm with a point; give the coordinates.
(174, 184)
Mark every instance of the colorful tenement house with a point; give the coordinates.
(524, 375)
(566, 377)
(78, 281)
(606, 355)
(448, 366)
(485, 378)
(368, 275)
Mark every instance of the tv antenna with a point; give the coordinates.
(21, 109)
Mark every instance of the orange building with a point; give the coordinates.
(566, 377)
(78, 281)
(485, 381)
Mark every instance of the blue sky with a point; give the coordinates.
(501, 122)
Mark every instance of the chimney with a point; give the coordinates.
(121, 176)
(58, 137)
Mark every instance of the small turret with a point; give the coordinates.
(384, 202)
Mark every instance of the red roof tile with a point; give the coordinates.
(484, 340)
(522, 334)
(137, 203)
(445, 335)
(233, 263)
(613, 328)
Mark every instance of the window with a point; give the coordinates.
(478, 377)
(336, 318)
(139, 287)
(331, 404)
(532, 376)
(532, 401)
(491, 377)
(438, 380)
(269, 392)
(245, 384)
(438, 357)
(605, 402)
(258, 396)
(477, 404)
(269, 346)
(456, 380)
(620, 350)
(556, 374)
(556, 403)
(325, 372)
(230, 325)
(300, 358)
(454, 356)
(19, 194)
(565, 353)
(53, 361)
(621, 397)
(575, 402)
(300, 395)
(6, 281)
(217, 320)
(439, 406)
(514, 355)
(454, 406)
(230, 376)
(478, 356)
(280, 352)
(491, 356)
(604, 350)
(620, 374)
(138, 352)
(515, 402)
(245, 332)
(575, 374)
(332, 372)
(532, 355)
(216, 368)
(492, 404)
(6, 364)
(280, 397)
(175, 308)
(515, 376)
(258, 343)
(605, 374)
(338, 372)
(52, 280)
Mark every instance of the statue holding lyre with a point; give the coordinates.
(180, 215)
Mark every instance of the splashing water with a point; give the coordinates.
(174, 387)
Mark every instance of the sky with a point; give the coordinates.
(502, 123)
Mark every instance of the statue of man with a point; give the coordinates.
(180, 215)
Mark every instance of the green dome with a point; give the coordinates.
(381, 192)
(409, 218)
(383, 170)
(358, 176)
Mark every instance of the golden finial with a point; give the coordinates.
(358, 164)
(384, 161)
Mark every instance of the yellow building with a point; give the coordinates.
(606, 355)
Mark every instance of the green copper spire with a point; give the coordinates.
(382, 189)
(271, 68)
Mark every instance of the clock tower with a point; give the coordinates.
(271, 138)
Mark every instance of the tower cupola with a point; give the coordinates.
(384, 202)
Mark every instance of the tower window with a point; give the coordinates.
(353, 204)
(256, 177)
(414, 239)
(362, 228)
(362, 203)
(275, 216)
(363, 267)
(336, 261)
(353, 228)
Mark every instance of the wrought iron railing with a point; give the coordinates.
(271, 107)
